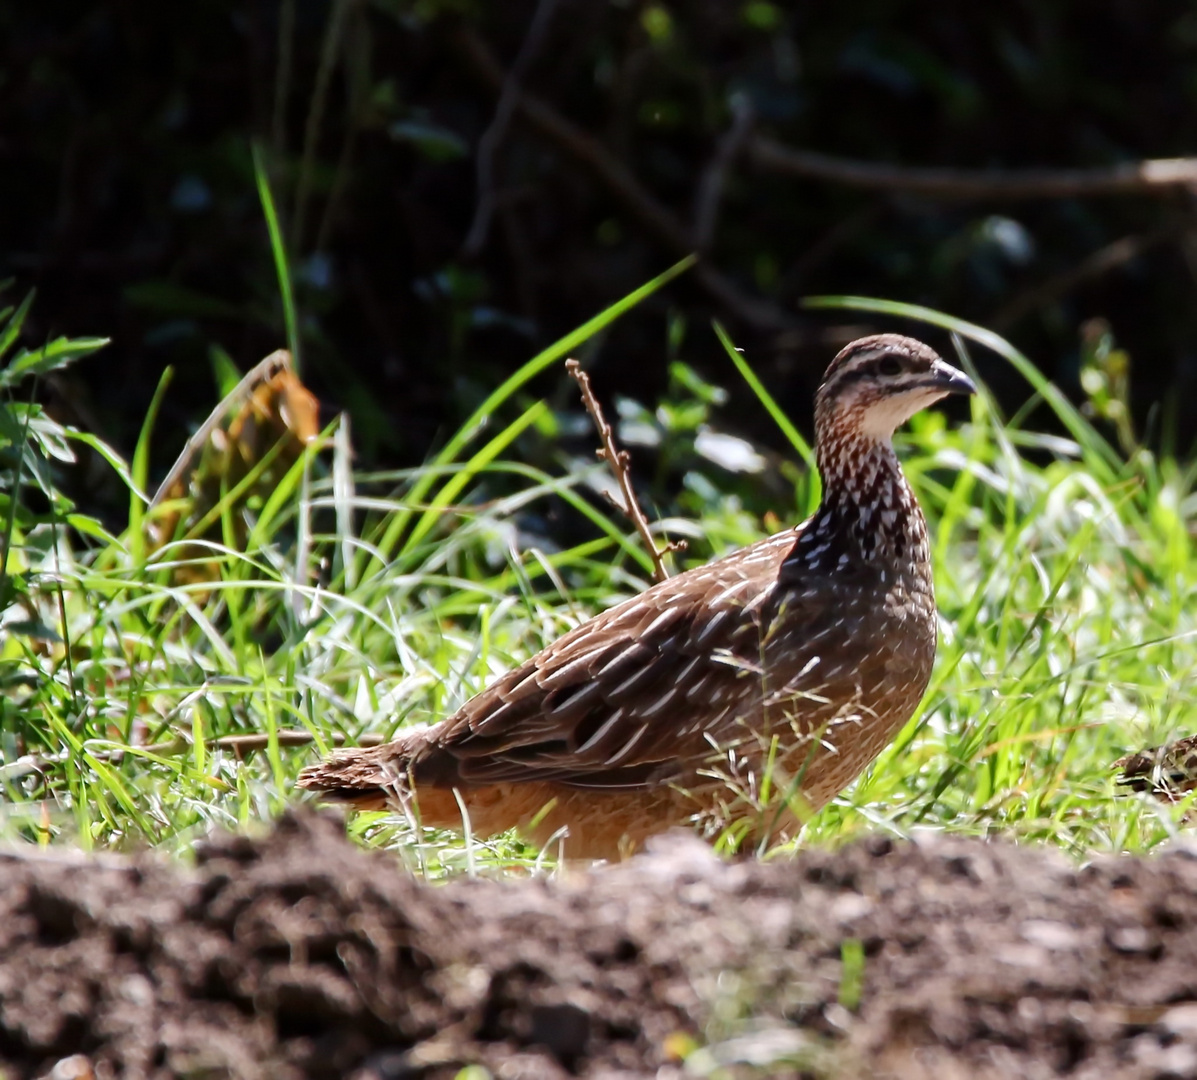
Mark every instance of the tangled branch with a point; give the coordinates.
(620, 183)
(1158, 176)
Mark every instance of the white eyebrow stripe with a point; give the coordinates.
(617, 659)
(637, 674)
(607, 725)
(490, 718)
(726, 593)
(578, 697)
(555, 678)
(532, 676)
(760, 597)
(661, 703)
(628, 745)
(712, 623)
(668, 615)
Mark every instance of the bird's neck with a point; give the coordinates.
(868, 512)
(857, 470)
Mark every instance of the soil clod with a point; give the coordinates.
(299, 956)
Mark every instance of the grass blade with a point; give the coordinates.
(542, 360)
(774, 410)
(279, 251)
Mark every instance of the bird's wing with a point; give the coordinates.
(639, 692)
(1168, 771)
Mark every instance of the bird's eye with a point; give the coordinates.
(889, 365)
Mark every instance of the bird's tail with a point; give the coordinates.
(367, 776)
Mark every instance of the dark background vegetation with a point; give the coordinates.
(129, 199)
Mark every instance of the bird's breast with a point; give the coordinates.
(871, 646)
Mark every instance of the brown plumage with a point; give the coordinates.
(798, 657)
(1169, 772)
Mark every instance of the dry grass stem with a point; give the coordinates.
(620, 462)
(241, 747)
(1153, 177)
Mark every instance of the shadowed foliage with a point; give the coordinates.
(438, 237)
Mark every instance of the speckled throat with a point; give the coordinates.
(868, 512)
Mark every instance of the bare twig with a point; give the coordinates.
(282, 78)
(1159, 176)
(494, 135)
(359, 88)
(584, 149)
(341, 177)
(823, 247)
(248, 744)
(714, 178)
(311, 136)
(654, 218)
(1101, 262)
(241, 746)
(620, 460)
(523, 260)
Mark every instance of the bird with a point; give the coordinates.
(1168, 772)
(784, 667)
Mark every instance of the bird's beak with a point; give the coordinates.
(949, 380)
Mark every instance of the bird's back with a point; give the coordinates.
(694, 682)
(787, 665)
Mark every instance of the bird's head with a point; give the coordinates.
(878, 383)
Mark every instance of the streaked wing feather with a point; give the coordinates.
(629, 697)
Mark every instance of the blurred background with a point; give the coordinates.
(460, 183)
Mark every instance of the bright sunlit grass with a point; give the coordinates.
(359, 603)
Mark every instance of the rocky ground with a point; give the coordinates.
(298, 956)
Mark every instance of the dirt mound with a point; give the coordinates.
(300, 956)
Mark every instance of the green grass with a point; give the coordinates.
(1065, 574)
